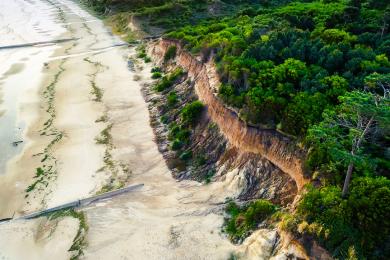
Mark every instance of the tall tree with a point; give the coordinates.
(344, 131)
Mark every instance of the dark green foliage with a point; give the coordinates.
(172, 99)
(156, 69)
(185, 156)
(361, 221)
(141, 54)
(180, 133)
(274, 60)
(200, 160)
(242, 220)
(170, 53)
(191, 112)
(209, 175)
(164, 119)
(176, 145)
(334, 139)
(167, 81)
(156, 75)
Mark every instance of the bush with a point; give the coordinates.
(156, 69)
(209, 175)
(167, 81)
(171, 53)
(200, 160)
(183, 135)
(172, 99)
(142, 55)
(156, 75)
(164, 119)
(243, 220)
(176, 145)
(185, 156)
(191, 112)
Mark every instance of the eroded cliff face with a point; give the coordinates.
(221, 161)
(270, 144)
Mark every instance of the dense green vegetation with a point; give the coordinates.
(359, 223)
(319, 71)
(241, 221)
(180, 131)
(316, 70)
(169, 14)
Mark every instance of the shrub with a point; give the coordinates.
(191, 112)
(183, 135)
(209, 175)
(200, 160)
(168, 81)
(156, 69)
(162, 85)
(176, 145)
(185, 156)
(172, 99)
(164, 119)
(170, 53)
(242, 220)
(174, 129)
(156, 75)
(142, 55)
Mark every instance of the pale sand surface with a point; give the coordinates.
(165, 219)
(38, 239)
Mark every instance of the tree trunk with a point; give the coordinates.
(383, 29)
(350, 166)
(347, 180)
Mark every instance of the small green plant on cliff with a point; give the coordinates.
(156, 69)
(209, 176)
(170, 53)
(141, 51)
(176, 145)
(141, 54)
(241, 221)
(164, 119)
(185, 156)
(191, 112)
(156, 75)
(167, 81)
(179, 133)
(172, 99)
